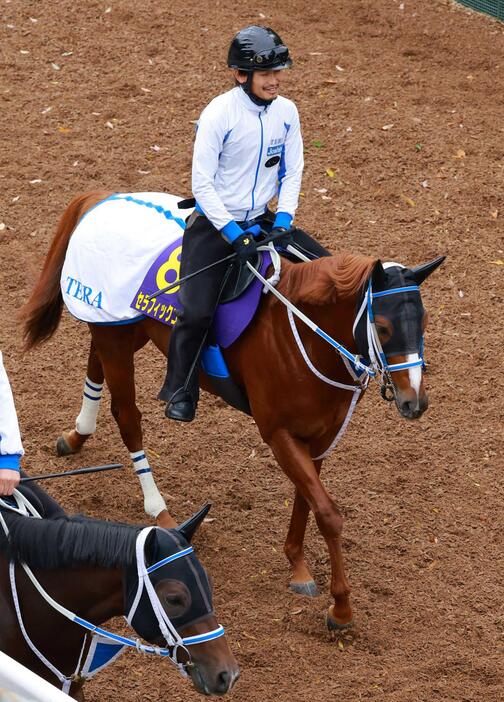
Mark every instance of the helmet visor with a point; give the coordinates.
(271, 58)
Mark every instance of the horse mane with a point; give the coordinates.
(65, 542)
(326, 280)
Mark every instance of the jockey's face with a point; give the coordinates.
(265, 84)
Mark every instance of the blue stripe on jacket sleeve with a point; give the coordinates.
(10, 461)
(232, 231)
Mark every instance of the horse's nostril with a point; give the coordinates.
(223, 681)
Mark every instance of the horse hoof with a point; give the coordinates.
(63, 447)
(165, 520)
(334, 625)
(309, 589)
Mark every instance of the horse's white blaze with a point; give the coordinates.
(415, 373)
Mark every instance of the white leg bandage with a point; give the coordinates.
(91, 396)
(153, 502)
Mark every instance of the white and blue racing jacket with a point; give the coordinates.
(244, 155)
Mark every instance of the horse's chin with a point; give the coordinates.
(221, 688)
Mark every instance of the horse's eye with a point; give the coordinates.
(174, 596)
(384, 328)
(174, 600)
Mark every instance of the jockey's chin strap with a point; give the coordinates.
(174, 641)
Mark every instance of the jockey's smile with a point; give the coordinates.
(265, 84)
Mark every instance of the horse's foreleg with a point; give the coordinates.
(302, 581)
(294, 457)
(72, 441)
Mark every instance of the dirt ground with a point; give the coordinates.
(403, 103)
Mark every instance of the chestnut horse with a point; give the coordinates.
(301, 392)
(62, 577)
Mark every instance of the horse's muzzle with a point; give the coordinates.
(219, 684)
(412, 408)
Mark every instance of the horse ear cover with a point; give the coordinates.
(188, 528)
(378, 276)
(424, 270)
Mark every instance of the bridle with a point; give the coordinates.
(362, 368)
(174, 642)
(378, 362)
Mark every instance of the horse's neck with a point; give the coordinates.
(336, 319)
(91, 593)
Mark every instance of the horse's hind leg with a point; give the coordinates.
(72, 441)
(116, 347)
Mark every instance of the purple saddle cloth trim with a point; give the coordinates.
(231, 318)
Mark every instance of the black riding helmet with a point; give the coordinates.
(258, 49)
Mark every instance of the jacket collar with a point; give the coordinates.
(244, 99)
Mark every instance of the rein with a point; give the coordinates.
(378, 366)
(173, 640)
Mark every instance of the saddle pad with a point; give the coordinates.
(231, 318)
(111, 248)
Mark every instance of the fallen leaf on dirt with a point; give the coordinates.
(461, 293)
(322, 191)
(35, 180)
(386, 127)
(64, 130)
(55, 67)
(498, 262)
(407, 200)
(424, 183)
(330, 172)
(209, 520)
(109, 125)
(329, 81)
(315, 53)
(286, 502)
(494, 213)
(2, 226)
(339, 68)
(15, 198)
(460, 153)
(326, 197)
(249, 636)
(317, 143)
(297, 611)
(341, 645)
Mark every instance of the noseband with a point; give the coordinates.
(84, 671)
(377, 358)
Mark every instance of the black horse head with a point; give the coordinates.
(184, 592)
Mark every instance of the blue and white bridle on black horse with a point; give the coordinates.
(106, 646)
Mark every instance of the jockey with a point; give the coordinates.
(248, 149)
(11, 448)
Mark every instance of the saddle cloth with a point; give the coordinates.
(127, 247)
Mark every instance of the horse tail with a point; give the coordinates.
(42, 313)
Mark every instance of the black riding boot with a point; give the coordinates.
(202, 244)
